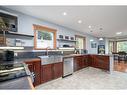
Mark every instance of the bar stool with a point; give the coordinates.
(122, 56)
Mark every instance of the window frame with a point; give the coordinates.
(117, 44)
(84, 40)
(41, 28)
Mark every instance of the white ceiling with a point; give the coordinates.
(111, 18)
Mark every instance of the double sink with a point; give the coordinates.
(51, 59)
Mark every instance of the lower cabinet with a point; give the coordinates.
(46, 73)
(51, 71)
(85, 61)
(100, 61)
(77, 63)
(80, 62)
(103, 62)
(57, 70)
(90, 60)
(35, 68)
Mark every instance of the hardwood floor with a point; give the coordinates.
(120, 66)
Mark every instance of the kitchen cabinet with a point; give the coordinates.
(58, 70)
(80, 62)
(103, 62)
(85, 61)
(95, 61)
(90, 60)
(46, 73)
(35, 68)
(51, 71)
(77, 63)
(100, 61)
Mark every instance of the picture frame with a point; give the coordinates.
(93, 45)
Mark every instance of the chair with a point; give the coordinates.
(122, 56)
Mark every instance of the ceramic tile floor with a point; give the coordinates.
(88, 78)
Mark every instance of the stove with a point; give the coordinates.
(13, 71)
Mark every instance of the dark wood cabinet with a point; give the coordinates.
(35, 68)
(96, 61)
(80, 62)
(100, 61)
(90, 60)
(58, 70)
(77, 63)
(85, 61)
(51, 71)
(46, 73)
(103, 62)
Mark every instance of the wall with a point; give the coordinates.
(25, 23)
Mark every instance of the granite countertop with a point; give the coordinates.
(20, 83)
(74, 55)
(21, 60)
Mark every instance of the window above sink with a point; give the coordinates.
(44, 37)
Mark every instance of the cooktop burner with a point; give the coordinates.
(12, 71)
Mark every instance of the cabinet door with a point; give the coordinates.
(95, 61)
(57, 70)
(90, 60)
(103, 62)
(37, 70)
(78, 63)
(47, 73)
(85, 61)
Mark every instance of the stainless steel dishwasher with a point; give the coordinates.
(68, 66)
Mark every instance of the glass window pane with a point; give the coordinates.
(80, 43)
(122, 46)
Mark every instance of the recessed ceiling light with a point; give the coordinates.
(100, 39)
(91, 40)
(101, 28)
(118, 33)
(89, 26)
(64, 13)
(79, 21)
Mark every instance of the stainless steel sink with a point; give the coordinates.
(51, 59)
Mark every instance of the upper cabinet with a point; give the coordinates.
(9, 21)
(44, 37)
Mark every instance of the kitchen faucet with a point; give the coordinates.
(47, 50)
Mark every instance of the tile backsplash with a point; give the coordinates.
(36, 54)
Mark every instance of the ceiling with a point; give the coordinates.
(105, 21)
